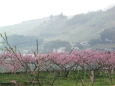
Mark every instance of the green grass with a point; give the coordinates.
(72, 80)
(4, 78)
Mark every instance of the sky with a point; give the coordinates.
(16, 11)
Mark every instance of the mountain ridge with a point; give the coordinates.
(79, 28)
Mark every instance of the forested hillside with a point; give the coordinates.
(92, 29)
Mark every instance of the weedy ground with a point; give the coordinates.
(73, 79)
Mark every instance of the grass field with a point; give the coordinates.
(74, 79)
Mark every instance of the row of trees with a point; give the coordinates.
(60, 64)
(86, 59)
(29, 42)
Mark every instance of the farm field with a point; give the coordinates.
(75, 68)
(72, 80)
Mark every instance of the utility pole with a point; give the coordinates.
(37, 45)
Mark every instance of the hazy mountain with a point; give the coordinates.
(23, 28)
(79, 28)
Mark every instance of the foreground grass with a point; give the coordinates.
(72, 80)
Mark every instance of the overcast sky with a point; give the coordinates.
(15, 11)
